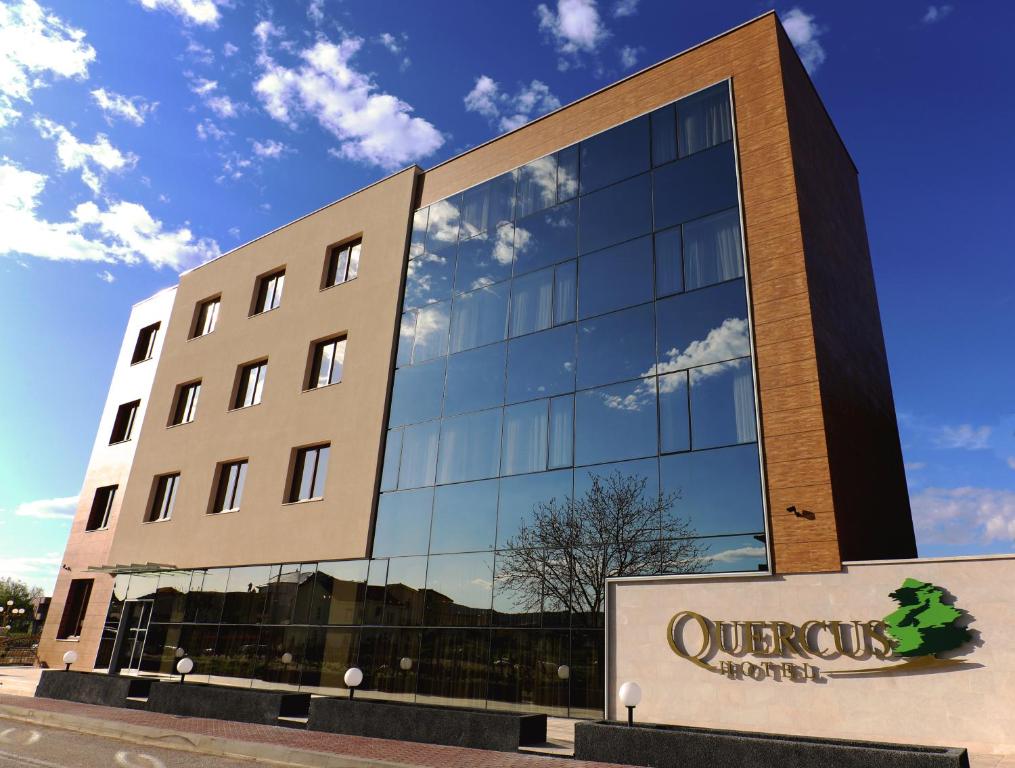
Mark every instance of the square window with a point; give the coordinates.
(164, 497)
(722, 404)
(343, 263)
(186, 403)
(250, 384)
(310, 469)
(229, 492)
(145, 346)
(704, 119)
(123, 424)
(269, 292)
(102, 506)
(205, 317)
(326, 363)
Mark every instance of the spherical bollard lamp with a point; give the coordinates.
(184, 666)
(287, 658)
(180, 653)
(630, 697)
(71, 657)
(564, 672)
(405, 663)
(353, 677)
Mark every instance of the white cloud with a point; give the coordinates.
(93, 160)
(132, 109)
(629, 56)
(106, 276)
(48, 509)
(33, 43)
(936, 13)
(964, 515)
(964, 437)
(204, 12)
(265, 30)
(270, 149)
(122, 232)
(396, 45)
(803, 32)
(199, 53)
(206, 129)
(372, 126)
(575, 28)
(235, 232)
(1011, 461)
(217, 102)
(622, 8)
(731, 555)
(36, 571)
(229, 49)
(506, 111)
(315, 11)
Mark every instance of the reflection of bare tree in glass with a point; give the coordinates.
(560, 559)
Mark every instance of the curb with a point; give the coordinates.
(274, 754)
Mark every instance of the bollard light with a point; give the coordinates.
(180, 653)
(630, 697)
(71, 657)
(184, 666)
(405, 663)
(353, 677)
(564, 672)
(287, 658)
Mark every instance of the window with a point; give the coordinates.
(343, 263)
(479, 317)
(269, 292)
(206, 317)
(164, 498)
(186, 403)
(615, 154)
(541, 364)
(403, 523)
(123, 425)
(229, 493)
(616, 277)
(485, 259)
(616, 214)
(102, 505)
(74, 609)
(251, 384)
(704, 120)
(326, 365)
(696, 186)
(145, 346)
(469, 447)
(309, 472)
(475, 380)
(428, 279)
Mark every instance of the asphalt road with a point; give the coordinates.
(23, 745)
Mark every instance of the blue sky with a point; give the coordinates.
(141, 137)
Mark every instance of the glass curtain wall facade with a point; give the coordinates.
(574, 400)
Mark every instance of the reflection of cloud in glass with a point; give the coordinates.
(728, 341)
(522, 238)
(503, 248)
(639, 398)
(537, 185)
(422, 281)
(732, 555)
(428, 325)
(442, 227)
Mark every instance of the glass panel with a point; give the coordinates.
(354, 252)
(406, 337)
(403, 595)
(458, 589)
(485, 259)
(328, 655)
(417, 393)
(616, 422)
(734, 553)
(470, 447)
(339, 591)
(479, 317)
(567, 173)
(674, 421)
(373, 605)
(615, 154)
(197, 642)
(699, 185)
(207, 593)
(669, 268)
(171, 596)
(282, 592)
(419, 455)
(537, 186)
(392, 456)
(524, 443)
(704, 119)
(237, 650)
(588, 654)
(320, 471)
(719, 490)
(722, 404)
(442, 224)
(246, 594)
(546, 238)
(713, 249)
(616, 214)
(521, 496)
(532, 302)
(561, 442)
(664, 135)
(488, 204)
(615, 278)
(465, 517)
(453, 667)
(635, 480)
(705, 326)
(541, 364)
(523, 673)
(565, 293)
(428, 278)
(273, 670)
(403, 523)
(431, 332)
(517, 588)
(475, 380)
(616, 347)
(418, 242)
(389, 659)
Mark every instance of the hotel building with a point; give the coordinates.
(420, 430)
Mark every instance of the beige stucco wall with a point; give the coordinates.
(971, 705)
(349, 415)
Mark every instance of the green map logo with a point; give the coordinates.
(924, 625)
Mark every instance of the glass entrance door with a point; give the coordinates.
(139, 614)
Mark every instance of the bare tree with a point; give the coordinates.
(561, 558)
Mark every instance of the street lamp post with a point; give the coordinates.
(630, 697)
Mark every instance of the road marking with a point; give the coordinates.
(22, 760)
(6, 736)
(127, 760)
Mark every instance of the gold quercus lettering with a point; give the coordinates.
(787, 634)
(736, 646)
(856, 647)
(676, 626)
(811, 643)
(876, 632)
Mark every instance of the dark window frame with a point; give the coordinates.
(74, 608)
(201, 313)
(123, 424)
(242, 386)
(164, 490)
(229, 488)
(101, 509)
(144, 348)
(317, 359)
(185, 403)
(268, 292)
(339, 270)
(298, 466)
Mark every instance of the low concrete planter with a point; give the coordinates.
(662, 746)
(222, 702)
(478, 728)
(91, 687)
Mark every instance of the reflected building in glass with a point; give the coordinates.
(634, 339)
